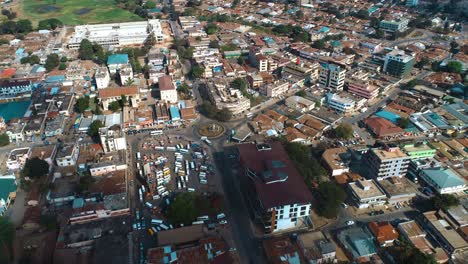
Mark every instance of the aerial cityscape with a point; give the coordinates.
(233, 131)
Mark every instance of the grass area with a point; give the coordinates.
(75, 12)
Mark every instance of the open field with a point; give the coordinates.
(75, 12)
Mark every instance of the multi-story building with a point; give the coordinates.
(109, 95)
(13, 88)
(67, 155)
(17, 158)
(419, 151)
(117, 34)
(336, 160)
(394, 25)
(126, 75)
(167, 89)
(102, 77)
(387, 162)
(187, 22)
(299, 103)
(332, 76)
(340, 103)
(367, 193)
(363, 88)
(278, 196)
(112, 139)
(412, 3)
(398, 64)
(222, 96)
(443, 181)
(275, 89)
(116, 62)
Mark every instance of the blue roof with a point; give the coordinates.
(174, 112)
(357, 240)
(324, 30)
(437, 120)
(55, 78)
(388, 115)
(443, 178)
(7, 185)
(78, 203)
(19, 51)
(459, 110)
(117, 59)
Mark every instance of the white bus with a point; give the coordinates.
(156, 132)
(138, 156)
(156, 221)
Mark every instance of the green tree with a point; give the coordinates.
(455, 67)
(4, 140)
(300, 14)
(51, 23)
(94, 128)
(241, 60)
(197, 71)
(343, 131)
(454, 47)
(183, 210)
(214, 44)
(64, 59)
(403, 122)
(423, 62)
(319, 44)
(7, 235)
(444, 201)
(308, 166)
(82, 104)
(86, 52)
(379, 34)
(35, 168)
(123, 100)
(239, 84)
(211, 28)
(329, 197)
(224, 115)
(150, 5)
(62, 66)
(52, 62)
(114, 106)
(24, 26)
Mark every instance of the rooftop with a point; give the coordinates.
(444, 178)
(383, 231)
(397, 186)
(118, 91)
(411, 229)
(181, 235)
(417, 147)
(446, 230)
(358, 241)
(393, 153)
(277, 181)
(117, 59)
(365, 189)
(334, 157)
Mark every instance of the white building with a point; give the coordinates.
(17, 158)
(387, 162)
(275, 89)
(103, 168)
(116, 62)
(67, 155)
(112, 139)
(167, 89)
(332, 76)
(367, 193)
(126, 75)
(444, 181)
(117, 34)
(102, 77)
(340, 103)
(299, 103)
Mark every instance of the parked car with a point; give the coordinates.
(350, 222)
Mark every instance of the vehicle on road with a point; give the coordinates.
(350, 222)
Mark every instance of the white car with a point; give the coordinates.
(223, 222)
(350, 222)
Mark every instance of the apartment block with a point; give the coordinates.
(387, 162)
(332, 76)
(398, 64)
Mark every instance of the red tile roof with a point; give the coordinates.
(118, 91)
(383, 231)
(382, 127)
(165, 83)
(272, 191)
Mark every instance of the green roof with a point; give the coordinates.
(444, 178)
(117, 59)
(7, 185)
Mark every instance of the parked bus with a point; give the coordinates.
(138, 156)
(156, 221)
(156, 132)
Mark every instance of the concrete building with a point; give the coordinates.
(299, 103)
(398, 64)
(167, 89)
(412, 3)
(366, 193)
(363, 88)
(112, 139)
(336, 160)
(419, 151)
(222, 96)
(340, 103)
(109, 95)
(8, 188)
(17, 158)
(316, 248)
(126, 75)
(397, 25)
(443, 181)
(67, 155)
(116, 62)
(275, 89)
(102, 77)
(386, 162)
(332, 76)
(279, 198)
(14, 88)
(117, 34)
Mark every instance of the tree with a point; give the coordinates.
(62, 66)
(114, 106)
(4, 140)
(318, 44)
(214, 44)
(197, 71)
(183, 210)
(129, 82)
(82, 104)
(444, 201)
(211, 28)
(52, 62)
(403, 122)
(308, 167)
(300, 14)
(329, 197)
(94, 128)
(343, 131)
(123, 100)
(423, 62)
(224, 115)
(241, 60)
(24, 26)
(51, 23)
(150, 5)
(64, 59)
(454, 47)
(239, 84)
(379, 34)
(35, 168)
(33, 59)
(85, 52)
(455, 67)
(7, 235)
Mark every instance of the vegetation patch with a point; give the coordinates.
(82, 11)
(47, 9)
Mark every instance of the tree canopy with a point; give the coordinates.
(7, 235)
(35, 168)
(211, 28)
(33, 59)
(444, 201)
(82, 104)
(51, 23)
(329, 196)
(308, 166)
(4, 140)
(403, 122)
(455, 67)
(210, 111)
(183, 210)
(343, 131)
(94, 128)
(52, 62)
(197, 71)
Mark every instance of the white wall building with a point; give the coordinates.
(67, 155)
(167, 89)
(117, 34)
(17, 158)
(102, 77)
(367, 193)
(340, 103)
(332, 76)
(112, 140)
